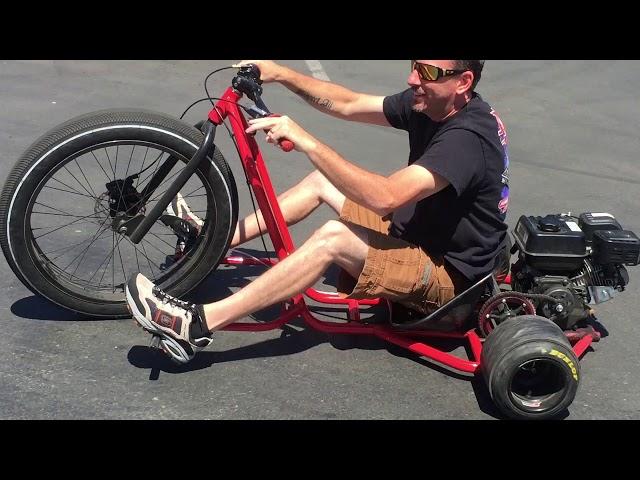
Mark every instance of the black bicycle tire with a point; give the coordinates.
(70, 135)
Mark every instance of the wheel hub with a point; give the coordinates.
(124, 198)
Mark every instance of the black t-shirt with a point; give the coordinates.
(465, 222)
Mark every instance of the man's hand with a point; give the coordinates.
(283, 128)
(269, 70)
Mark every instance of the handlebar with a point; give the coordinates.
(248, 82)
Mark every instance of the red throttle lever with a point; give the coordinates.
(285, 145)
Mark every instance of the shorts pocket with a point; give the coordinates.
(439, 289)
(402, 279)
(445, 295)
(402, 270)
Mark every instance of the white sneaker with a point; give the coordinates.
(167, 317)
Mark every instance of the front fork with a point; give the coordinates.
(137, 227)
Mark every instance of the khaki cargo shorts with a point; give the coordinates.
(395, 269)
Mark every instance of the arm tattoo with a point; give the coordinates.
(320, 102)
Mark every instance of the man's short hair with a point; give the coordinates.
(474, 65)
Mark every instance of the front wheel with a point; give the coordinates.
(64, 202)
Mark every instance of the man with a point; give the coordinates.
(418, 237)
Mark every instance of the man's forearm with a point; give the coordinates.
(324, 96)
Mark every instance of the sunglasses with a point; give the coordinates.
(432, 73)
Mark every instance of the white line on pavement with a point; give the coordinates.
(316, 70)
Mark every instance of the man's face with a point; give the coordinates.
(433, 97)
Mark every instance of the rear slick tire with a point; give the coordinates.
(62, 166)
(530, 368)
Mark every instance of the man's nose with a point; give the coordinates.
(414, 78)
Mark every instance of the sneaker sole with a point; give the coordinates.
(176, 350)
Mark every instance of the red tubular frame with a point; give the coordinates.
(263, 190)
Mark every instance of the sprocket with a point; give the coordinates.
(502, 307)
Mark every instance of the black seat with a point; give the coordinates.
(450, 317)
(454, 314)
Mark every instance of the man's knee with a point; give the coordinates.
(332, 237)
(325, 190)
(316, 181)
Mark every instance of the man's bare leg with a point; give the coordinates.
(332, 243)
(296, 205)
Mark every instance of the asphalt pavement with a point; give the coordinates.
(573, 145)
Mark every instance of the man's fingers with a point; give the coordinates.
(242, 63)
(262, 124)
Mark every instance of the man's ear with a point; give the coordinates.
(465, 81)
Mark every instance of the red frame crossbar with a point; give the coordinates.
(260, 182)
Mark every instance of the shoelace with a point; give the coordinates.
(166, 298)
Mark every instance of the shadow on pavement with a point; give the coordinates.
(294, 340)
(291, 341)
(36, 307)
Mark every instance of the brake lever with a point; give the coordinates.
(255, 112)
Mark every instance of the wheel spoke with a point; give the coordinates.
(65, 215)
(106, 264)
(115, 169)
(143, 253)
(91, 240)
(84, 253)
(79, 183)
(113, 263)
(129, 164)
(155, 169)
(191, 193)
(62, 212)
(100, 165)
(85, 177)
(56, 229)
(135, 250)
(73, 192)
(164, 181)
(95, 238)
(124, 274)
(71, 188)
(152, 245)
(142, 168)
(147, 257)
(110, 164)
